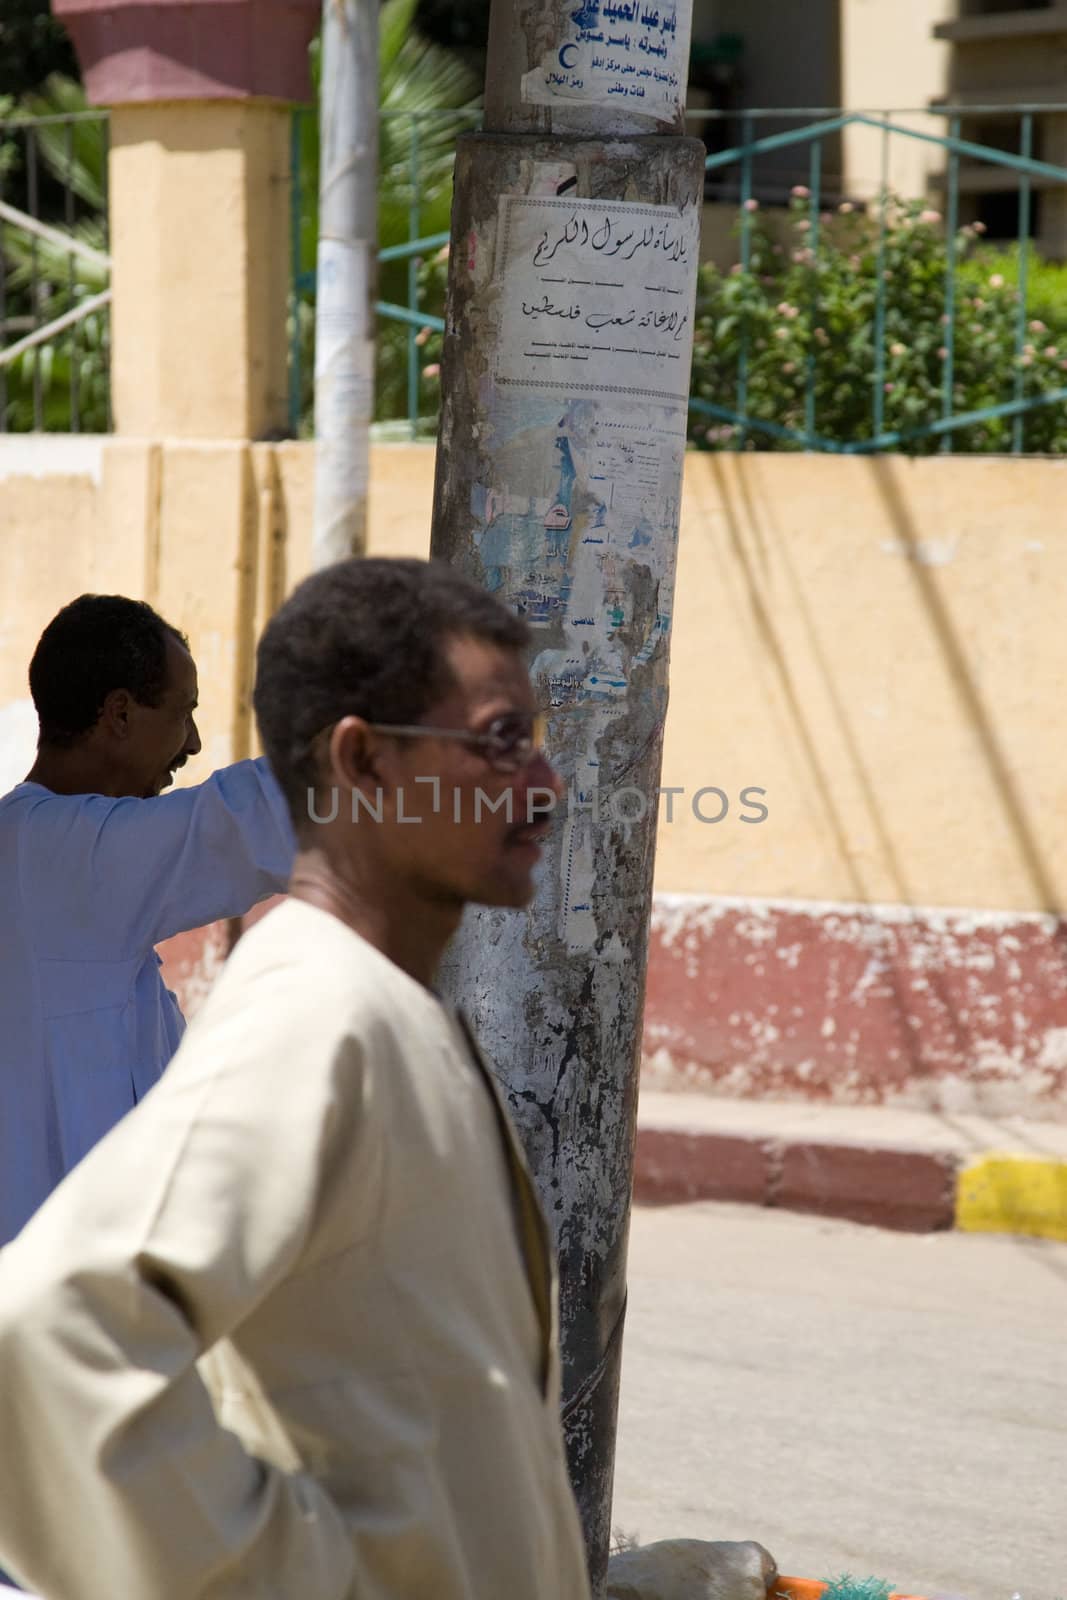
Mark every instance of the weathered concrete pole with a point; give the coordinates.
(346, 270)
(559, 472)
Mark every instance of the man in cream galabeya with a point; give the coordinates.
(288, 1332)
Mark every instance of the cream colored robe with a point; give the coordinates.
(324, 1197)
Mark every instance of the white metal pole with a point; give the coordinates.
(346, 272)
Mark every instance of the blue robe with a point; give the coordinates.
(88, 887)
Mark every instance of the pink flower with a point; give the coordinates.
(996, 281)
(931, 217)
(802, 227)
(736, 270)
(898, 349)
(846, 207)
(1051, 350)
(889, 387)
(800, 192)
(943, 352)
(442, 254)
(789, 366)
(422, 336)
(978, 227)
(1026, 360)
(945, 320)
(433, 370)
(781, 333)
(751, 205)
(1037, 327)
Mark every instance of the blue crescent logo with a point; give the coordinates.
(564, 63)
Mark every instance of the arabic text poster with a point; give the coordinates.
(597, 297)
(628, 53)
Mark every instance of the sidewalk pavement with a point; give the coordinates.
(913, 1170)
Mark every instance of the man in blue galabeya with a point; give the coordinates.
(97, 866)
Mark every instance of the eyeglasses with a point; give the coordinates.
(508, 744)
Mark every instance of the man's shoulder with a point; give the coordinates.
(306, 961)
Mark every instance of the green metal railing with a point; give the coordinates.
(1020, 168)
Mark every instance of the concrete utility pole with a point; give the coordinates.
(346, 274)
(559, 471)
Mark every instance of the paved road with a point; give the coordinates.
(890, 1405)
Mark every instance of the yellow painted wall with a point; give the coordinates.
(878, 644)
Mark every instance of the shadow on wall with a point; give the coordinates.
(855, 1001)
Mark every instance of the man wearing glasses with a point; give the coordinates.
(289, 1331)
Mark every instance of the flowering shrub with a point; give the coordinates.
(804, 310)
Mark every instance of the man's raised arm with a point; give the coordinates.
(132, 872)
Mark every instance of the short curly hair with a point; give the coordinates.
(97, 643)
(363, 638)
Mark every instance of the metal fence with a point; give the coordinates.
(54, 274)
(777, 168)
(948, 416)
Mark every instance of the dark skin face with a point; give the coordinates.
(134, 750)
(403, 883)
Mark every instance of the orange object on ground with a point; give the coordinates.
(811, 1589)
(798, 1588)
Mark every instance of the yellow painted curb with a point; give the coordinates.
(1013, 1194)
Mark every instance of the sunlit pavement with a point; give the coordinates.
(890, 1405)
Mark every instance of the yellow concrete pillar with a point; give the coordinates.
(199, 199)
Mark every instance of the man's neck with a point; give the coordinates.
(410, 931)
(74, 771)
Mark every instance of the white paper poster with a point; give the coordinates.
(596, 297)
(633, 54)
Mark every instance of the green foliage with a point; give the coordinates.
(1046, 281)
(43, 280)
(8, 148)
(807, 321)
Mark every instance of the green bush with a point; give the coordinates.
(801, 315)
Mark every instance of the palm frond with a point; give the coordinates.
(75, 153)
